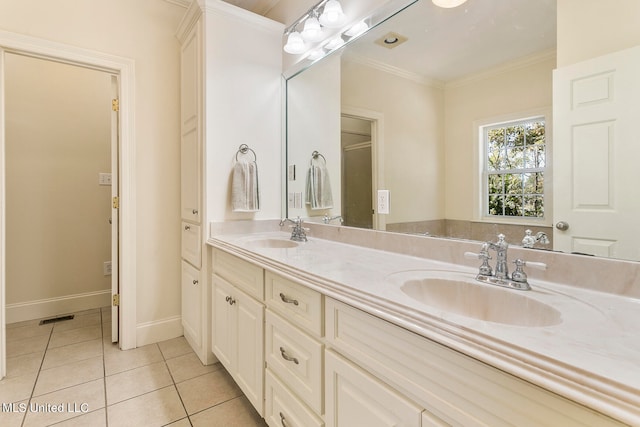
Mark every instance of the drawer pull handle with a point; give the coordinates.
(288, 358)
(283, 421)
(187, 228)
(230, 300)
(286, 300)
(195, 282)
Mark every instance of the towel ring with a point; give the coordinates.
(316, 154)
(244, 149)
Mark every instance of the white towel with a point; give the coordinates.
(245, 196)
(318, 193)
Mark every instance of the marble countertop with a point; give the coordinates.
(592, 356)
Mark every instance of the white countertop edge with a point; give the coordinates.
(608, 397)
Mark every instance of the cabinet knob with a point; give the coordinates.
(230, 300)
(195, 282)
(195, 211)
(187, 228)
(286, 357)
(287, 300)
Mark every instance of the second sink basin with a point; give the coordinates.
(465, 297)
(271, 242)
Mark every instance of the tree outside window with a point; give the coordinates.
(515, 164)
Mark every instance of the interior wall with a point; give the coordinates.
(313, 118)
(413, 138)
(591, 28)
(511, 90)
(143, 30)
(58, 139)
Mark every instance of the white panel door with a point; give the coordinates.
(596, 151)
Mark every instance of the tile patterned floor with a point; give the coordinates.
(70, 374)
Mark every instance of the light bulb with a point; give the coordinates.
(357, 29)
(312, 31)
(332, 15)
(295, 44)
(335, 43)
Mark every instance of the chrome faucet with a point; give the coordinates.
(298, 233)
(528, 241)
(517, 280)
(327, 219)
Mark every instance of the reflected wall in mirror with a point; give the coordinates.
(425, 102)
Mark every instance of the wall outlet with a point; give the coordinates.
(106, 268)
(383, 201)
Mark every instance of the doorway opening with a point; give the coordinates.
(121, 71)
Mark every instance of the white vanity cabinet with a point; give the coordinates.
(294, 352)
(238, 324)
(454, 389)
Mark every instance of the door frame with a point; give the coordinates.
(125, 69)
(377, 155)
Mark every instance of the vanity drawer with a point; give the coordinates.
(241, 273)
(191, 247)
(297, 303)
(296, 358)
(283, 408)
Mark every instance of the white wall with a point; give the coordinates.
(243, 106)
(313, 111)
(413, 138)
(58, 139)
(590, 28)
(143, 30)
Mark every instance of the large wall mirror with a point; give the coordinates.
(450, 113)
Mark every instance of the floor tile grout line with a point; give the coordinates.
(33, 389)
(175, 385)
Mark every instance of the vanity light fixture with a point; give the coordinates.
(357, 29)
(295, 43)
(316, 54)
(312, 30)
(335, 42)
(332, 15)
(448, 4)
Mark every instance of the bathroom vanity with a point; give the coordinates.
(328, 333)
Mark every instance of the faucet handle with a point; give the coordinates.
(485, 268)
(519, 275)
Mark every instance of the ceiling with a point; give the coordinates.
(448, 44)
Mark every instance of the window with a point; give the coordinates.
(515, 159)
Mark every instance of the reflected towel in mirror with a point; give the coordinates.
(318, 193)
(245, 195)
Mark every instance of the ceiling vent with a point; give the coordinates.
(391, 40)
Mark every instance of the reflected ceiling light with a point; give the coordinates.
(295, 43)
(312, 31)
(332, 15)
(316, 54)
(335, 42)
(357, 29)
(448, 3)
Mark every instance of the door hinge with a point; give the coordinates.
(116, 300)
(115, 104)
(116, 202)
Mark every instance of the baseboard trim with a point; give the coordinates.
(38, 309)
(158, 330)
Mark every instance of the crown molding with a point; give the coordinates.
(235, 12)
(181, 3)
(399, 72)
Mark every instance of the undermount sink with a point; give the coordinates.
(271, 242)
(465, 297)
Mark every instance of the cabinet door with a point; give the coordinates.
(249, 373)
(190, 126)
(191, 303)
(223, 328)
(356, 398)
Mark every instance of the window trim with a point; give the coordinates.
(481, 174)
